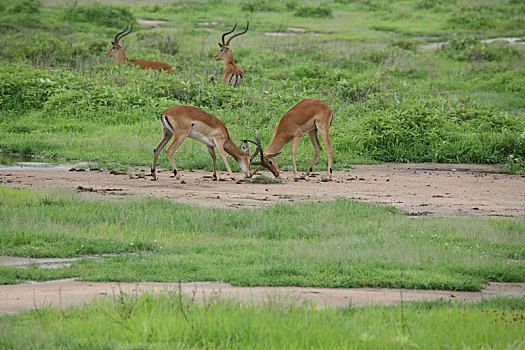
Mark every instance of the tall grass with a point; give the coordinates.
(168, 320)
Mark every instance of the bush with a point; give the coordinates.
(468, 48)
(20, 13)
(106, 15)
(424, 129)
(317, 11)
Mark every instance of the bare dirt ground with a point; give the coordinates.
(416, 189)
(64, 293)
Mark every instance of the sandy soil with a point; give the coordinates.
(416, 189)
(64, 293)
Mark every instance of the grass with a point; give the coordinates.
(168, 320)
(392, 101)
(337, 244)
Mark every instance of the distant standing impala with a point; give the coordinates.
(118, 51)
(232, 75)
(307, 116)
(181, 122)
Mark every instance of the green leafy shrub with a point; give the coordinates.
(425, 128)
(316, 11)
(259, 6)
(493, 16)
(468, 48)
(20, 13)
(106, 15)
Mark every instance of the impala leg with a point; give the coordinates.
(329, 148)
(177, 141)
(211, 150)
(295, 143)
(256, 170)
(157, 150)
(220, 149)
(317, 149)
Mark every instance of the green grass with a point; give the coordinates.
(392, 101)
(337, 244)
(167, 320)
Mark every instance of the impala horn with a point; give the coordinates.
(117, 37)
(236, 34)
(231, 31)
(244, 145)
(258, 150)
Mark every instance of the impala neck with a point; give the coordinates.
(120, 57)
(228, 59)
(233, 150)
(274, 146)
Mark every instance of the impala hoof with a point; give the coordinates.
(182, 182)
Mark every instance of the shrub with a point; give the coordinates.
(106, 15)
(468, 48)
(317, 11)
(20, 13)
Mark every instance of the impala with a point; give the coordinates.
(181, 122)
(232, 75)
(117, 50)
(307, 116)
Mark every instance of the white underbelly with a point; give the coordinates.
(208, 141)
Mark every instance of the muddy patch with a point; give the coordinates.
(290, 31)
(150, 22)
(51, 263)
(509, 40)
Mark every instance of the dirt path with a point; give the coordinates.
(416, 189)
(14, 299)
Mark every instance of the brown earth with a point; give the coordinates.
(416, 189)
(64, 293)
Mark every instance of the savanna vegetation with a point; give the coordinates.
(341, 244)
(169, 321)
(393, 99)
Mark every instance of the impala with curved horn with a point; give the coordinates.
(181, 122)
(117, 50)
(307, 116)
(232, 75)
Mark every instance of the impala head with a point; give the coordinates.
(224, 48)
(115, 45)
(267, 160)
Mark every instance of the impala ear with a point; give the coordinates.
(220, 45)
(272, 155)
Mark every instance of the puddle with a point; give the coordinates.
(22, 162)
(291, 31)
(50, 263)
(511, 41)
(150, 22)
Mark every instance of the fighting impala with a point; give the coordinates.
(181, 122)
(117, 50)
(232, 75)
(307, 116)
